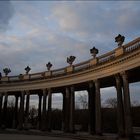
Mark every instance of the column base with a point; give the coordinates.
(14, 124)
(3, 126)
(127, 138)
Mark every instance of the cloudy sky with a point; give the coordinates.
(35, 32)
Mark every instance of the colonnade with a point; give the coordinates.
(124, 121)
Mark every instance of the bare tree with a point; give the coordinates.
(83, 101)
(135, 103)
(110, 102)
(11, 103)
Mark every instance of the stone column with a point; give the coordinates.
(49, 110)
(15, 112)
(91, 107)
(72, 108)
(120, 111)
(63, 111)
(21, 111)
(44, 110)
(127, 105)
(1, 99)
(27, 109)
(5, 110)
(39, 110)
(67, 107)
(97, 108)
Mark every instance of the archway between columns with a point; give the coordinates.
(109, 110)
(135, 105)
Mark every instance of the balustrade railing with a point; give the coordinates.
(82, 66)
(58, 72)
(128, 48)
(36, 76)
(13, 78)
(106, 57)
(132, 45)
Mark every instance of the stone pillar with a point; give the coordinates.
(39, 111)
(67, 111)
(97, 108)
(27, 109)
(127, 105)
(44, 110)
(15, 112)
(5, 111)
(1, 99)
(21, 111)
(120, 111)
(72, 108)
(63, 111)
(91, 107)
(49, 113)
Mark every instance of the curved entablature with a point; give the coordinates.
(123, 58)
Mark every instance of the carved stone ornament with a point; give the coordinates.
(6, 71)
(119, 39)
(49, 65)
(27, 69)
(94, 51)
(71, 59)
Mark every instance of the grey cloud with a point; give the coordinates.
(91, 20)
(6, 13)
(87, 24)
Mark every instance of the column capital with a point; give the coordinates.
(117, 75)
(123, 73)
(44, 91)
(23, 92)
(27, 92)
(97, 82)
(124, 76)
(90, 84)
(16, 95)
(117, 78)
(39, 94)
(68, 90)
(1, 94)
(49, 90)
(72, 87)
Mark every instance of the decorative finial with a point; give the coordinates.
(71, 59)
(27, 69)
(119, 39)
(94, 51)
(6, 71)
(49, 65)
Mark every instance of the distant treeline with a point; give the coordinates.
(109, 118)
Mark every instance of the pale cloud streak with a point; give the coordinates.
(44, 31)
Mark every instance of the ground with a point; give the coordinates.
(29, 137)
